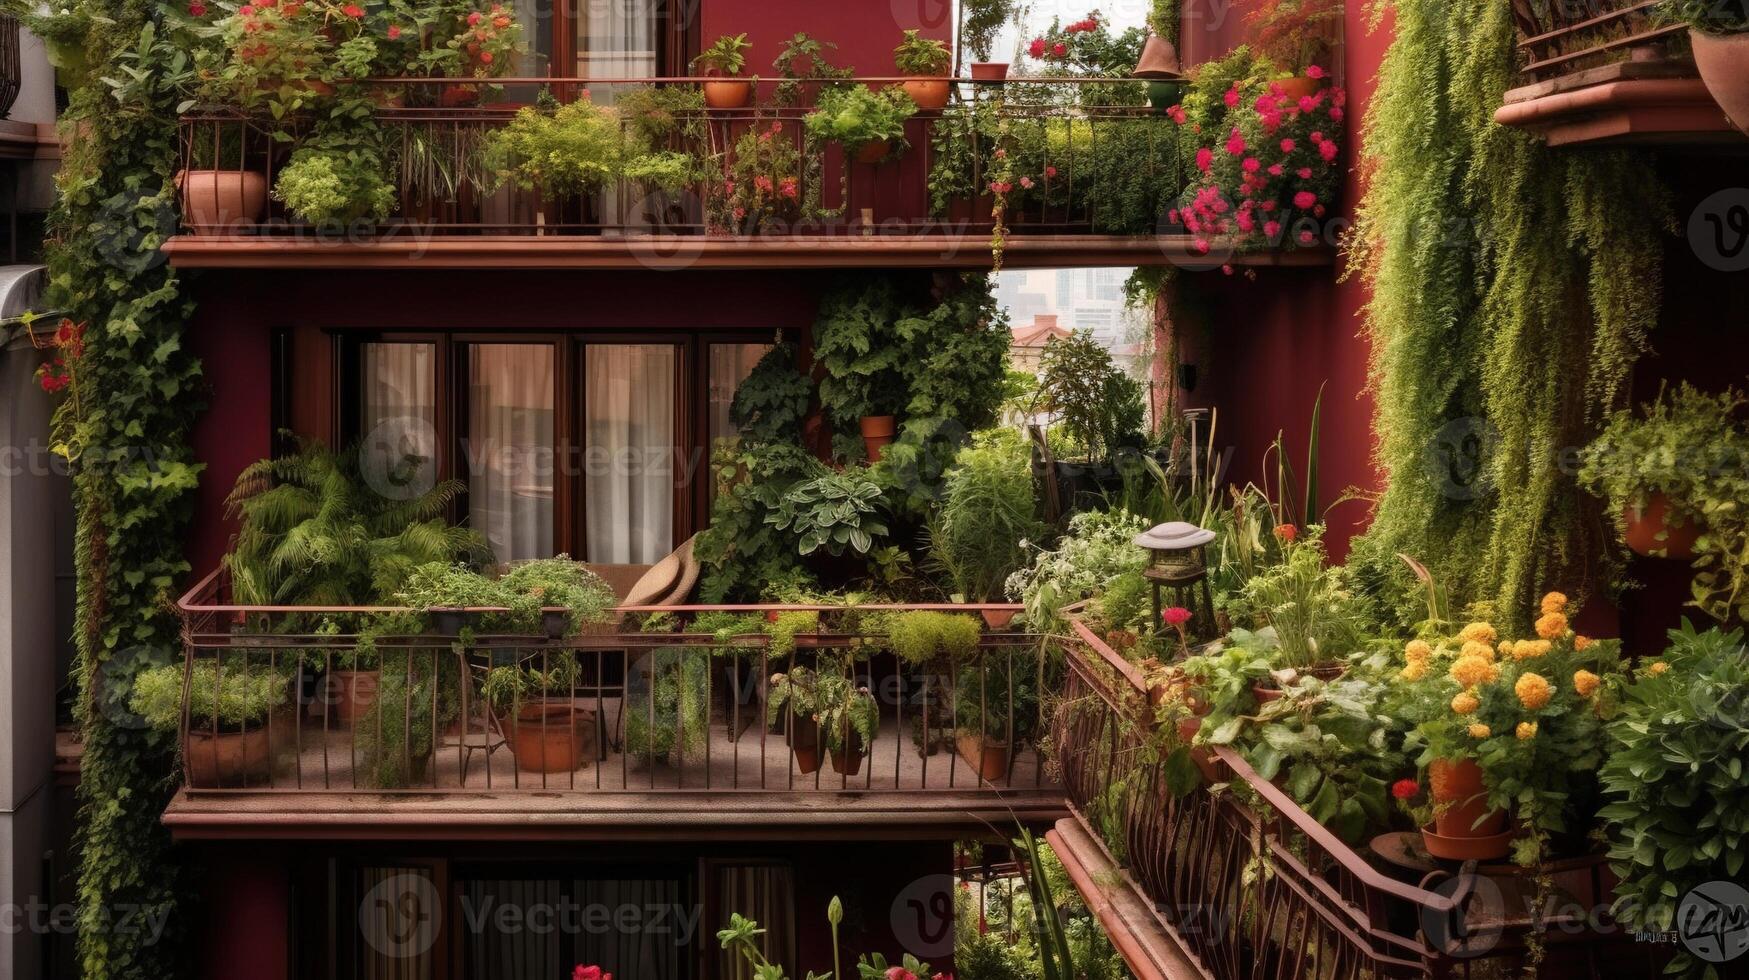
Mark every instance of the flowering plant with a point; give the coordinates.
(281, 52)
(1295, 34)
(1528, 711)
(61, 374)
(590, 973)
(762, 185)
(487, 41)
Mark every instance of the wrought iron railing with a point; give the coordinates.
(342, 703)
(1253, 887)
(1089, 167)
(1566, 37)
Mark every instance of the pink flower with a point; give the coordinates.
(740, 212)
(1307, 103)
(486, 57)
(197, 9)
(728, 187)
(1307, 238)
(1001, 154)
(1204, 159)
(1335, 114)
(1176, 114)
(474, 18)
(1275, 170)
(394, 32)
(590, 973)
(1318, 211)
(1250, 165)
(1305, 173)
(1175, 615)
(352, 10)
(1313, 71)
(1287, 146)
(788, 188)
(1172, 216)
(1050, 171)
(1271, 229)
(762, 182)
(1317, 137)
(1232, 97)
(900, 973)
(1304, 200)
(1201, 246)
(1227, 270)
(776, 126)
(1235, 143)
(1327, 150)
(1026, 182)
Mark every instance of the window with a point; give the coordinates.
(630, 449)
(730, 365)
(509, 449)
(398, 417)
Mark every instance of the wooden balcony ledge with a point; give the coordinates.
(1630, 103)
(680, 253)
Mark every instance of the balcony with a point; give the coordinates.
(1603, 73)
(1101, 187)
(651, 730)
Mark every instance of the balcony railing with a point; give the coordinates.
(341, 704)
(1090, 168)
(1247, 883)
(1563, 38)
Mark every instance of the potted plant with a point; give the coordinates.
(667, 713)
(335, 184)
(218, 191)
(228, 708)
(1675, 474)
(932, 644)
(1159, 62)
(1719, 35)
(803, 70)
(980, 22)
(724, 60)
(847, 717)
(835, 513)
(560, 154)
(927, 62)
(792, 702)
(1296, 35)
(995, 709)
(546, 729)
(1307, 616)
(869, 124)
(978, 533)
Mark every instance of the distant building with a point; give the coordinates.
(1029, 342)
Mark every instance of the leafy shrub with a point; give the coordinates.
(772, 401)
(1710, 16)
(978, 536)
(668, 716)
(921, 637)
(833, 511)
(921, 56)
(1098, 548)
(572, 150)
(335, 185)
(743, 552)
(229, 695)
(857, 115)
(1098, 405)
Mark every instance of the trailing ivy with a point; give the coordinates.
(1512, 291)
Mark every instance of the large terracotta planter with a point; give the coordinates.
(928, 93)
(989, 71)
(350, 693)
(877, 434)
(728, 93)
(551, 738)
(1462, 813)
(228, 759)
(1647, 530)
(1723, 60)
(804, 742)
(216, 202)
(987, 757)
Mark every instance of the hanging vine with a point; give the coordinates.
(1512, 292)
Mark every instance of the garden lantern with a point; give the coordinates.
(1177, 564)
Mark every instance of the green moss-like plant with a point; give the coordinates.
(924, 637)
(332, 185)
(229, 695)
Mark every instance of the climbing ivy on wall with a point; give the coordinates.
(128, 438)
(1513, 288)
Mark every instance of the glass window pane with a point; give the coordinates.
(397, 415)
(629, 438)
(508, 452)
(730, 365)
(616, 39)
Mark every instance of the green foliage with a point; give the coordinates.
(998, 696)
(1099, 406)
(228, 694)
(1694, 449)
(418, 694)
(917, 55)
(310, 532)
(336, 185)
(743, 550)
(978, 535)
(572, 150)
(1310, 606)
(1097, 548)
(856, 344)
(772, 401)
(980, 22)
(523, 591)
(786, 626)
(833, 511)
(1510, 295)
(1710, 16)
(1163, 17)
(845, 711)
(668, 715)
(1125, 604)
(1676, 782)
(727, 54)
(923, 637)
(857, 115)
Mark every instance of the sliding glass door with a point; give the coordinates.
(630, 443)
(508, 449)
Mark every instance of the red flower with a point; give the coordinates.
(1313, 71)
(1061, 50)
(485, 57)
(1305, 173)
(900, 973)
(1205, 157)
(1232, 97)
(1307, 238)
(1286, 532)
(1304, 200)
(590, 973)
(1176, 114)
(352, 10)
(1405, 789)
(1227, 270)
(1327, 150)
(1235, 143)
(1175, 615)
(1050, 171)
(1287, 146)
(197, 9)
(1250, 165)
(474, 18)
(1271, 229)
(394, 32)
(1037, 47)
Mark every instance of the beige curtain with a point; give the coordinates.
(508, 450)
(629, 445)
(398, 418)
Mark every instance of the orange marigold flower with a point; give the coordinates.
(1505, 648)
(1413, 672)
(1479, 632)
(1417, 652)
(1526, 730)
(1529, 649)
(1657, 667)
(1552, 626)
(1465, 703)
(1470, 671)
(1476, 648)
(1533, 691)
(1479, 730)
(1554, 602)
(1581, 641)
(1585, 682)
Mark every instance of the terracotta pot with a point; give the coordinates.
(998, 619)
(1461, 801)
(847, 759)
(548, 740)
(1299, 86)
(728, 93)
(456, 96)
(928, 93)
(1490, 848)
(1648, 531)
(987, 757)
(877, 433)
(350, 694)
(226, 759)
(1723, 61)
(804, 741)
(216, 202)
(874, 151)
(1206, 761)
(989, 71)
(1265, 695)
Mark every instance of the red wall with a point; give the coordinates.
(865, 31)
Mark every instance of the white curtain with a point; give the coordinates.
(616, 39)
(398, 418)
(630, 442)
(508, 452)
(730, 365)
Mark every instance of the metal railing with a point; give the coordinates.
(1567, 37)
(1253, 887)
(340, 704)
(1083, 155)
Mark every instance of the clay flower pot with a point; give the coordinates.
(804, 742)
(874, 151)
(877, 433)
(989, 71)
(1464, 823)
(987, 757)
(1299, 86)
(928, 93)
(997, 619)
(217, 202)
(1648, 530)
(551, 737)
(1723, 60)
(847, 758)
(728, 93)
(227, 759)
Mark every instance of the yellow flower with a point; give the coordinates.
(1476, 648)
(1552, 626)
(1417, 652)
(1478, 632)
(1465, 703)
(1505, 648)
(1657, 667)
(1581, 641)
(1470, 671)
(1585, 682)
(1533, 691)
(1413, 672)
(1529, 649)
(1479, 730)
(1554, 602)
(1526, 730)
